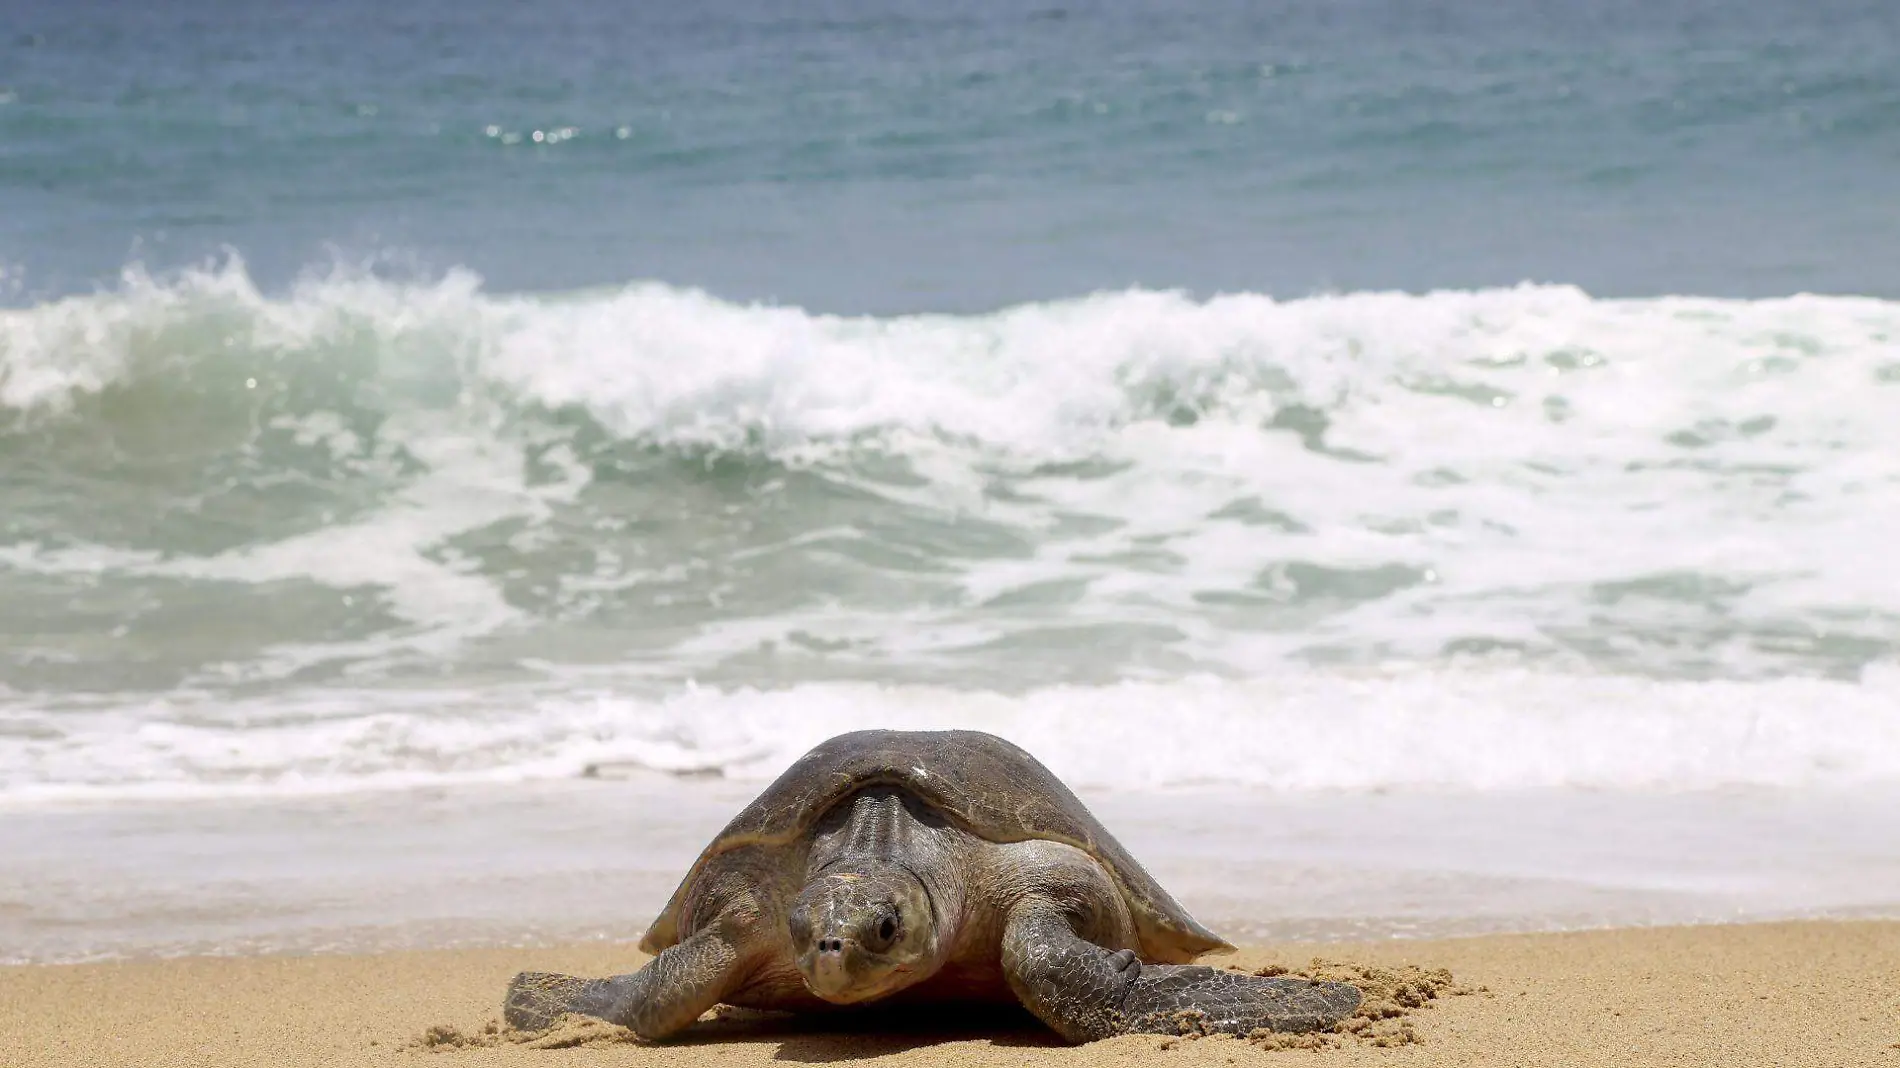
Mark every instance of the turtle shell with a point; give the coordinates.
(981, 784)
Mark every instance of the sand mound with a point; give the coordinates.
(566, 1033)
(447, 1036)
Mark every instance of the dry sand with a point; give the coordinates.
(1823, 994)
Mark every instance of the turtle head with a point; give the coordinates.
(864, 931)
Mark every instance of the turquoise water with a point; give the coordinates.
(886, 157)
(1398, 395)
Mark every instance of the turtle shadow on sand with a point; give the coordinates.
(806, 1038)
(803, 1038)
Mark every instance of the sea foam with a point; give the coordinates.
(1440, 729)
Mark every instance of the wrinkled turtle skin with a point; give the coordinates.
(929, 866)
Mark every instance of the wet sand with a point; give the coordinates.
(1813, 993)
(584, 861)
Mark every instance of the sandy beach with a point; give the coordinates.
(1813, 993)
(1416, 473)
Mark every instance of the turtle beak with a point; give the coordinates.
(831, 973)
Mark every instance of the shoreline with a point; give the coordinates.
(584, 862)
(1814, 992)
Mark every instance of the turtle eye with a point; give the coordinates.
(887, 930)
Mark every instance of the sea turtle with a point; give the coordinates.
(928, 866)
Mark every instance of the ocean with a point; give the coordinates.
(1304, 403)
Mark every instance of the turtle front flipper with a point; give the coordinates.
(1172, 999)
(657, 1001)
(1086, 992)
(536, 999)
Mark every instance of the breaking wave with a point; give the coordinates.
(1054, 514)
